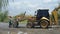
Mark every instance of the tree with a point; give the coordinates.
(3, 4)
(3, 15)
(3, 9)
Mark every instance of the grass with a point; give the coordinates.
(23, 22)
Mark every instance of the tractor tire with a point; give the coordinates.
(44, 24)
(30, 25)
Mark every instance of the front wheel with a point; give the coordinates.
(44, 24)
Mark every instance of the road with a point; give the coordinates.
(4, 29)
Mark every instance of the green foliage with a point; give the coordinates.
(23, 22)
(3, 15)
(4, 11)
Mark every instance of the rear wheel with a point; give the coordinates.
(44, 23)
(30, 25)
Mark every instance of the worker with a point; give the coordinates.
(10, 21)
(17, 22)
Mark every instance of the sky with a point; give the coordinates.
(30, 6)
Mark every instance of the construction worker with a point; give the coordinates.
(17, 20)
(10, 21)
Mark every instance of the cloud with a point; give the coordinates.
(49, 1)
(42, 8)
(46, 1)
(32, 6)
(29, 4)
(15, 5)
(23, 5)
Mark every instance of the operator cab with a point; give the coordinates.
(42, 13)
